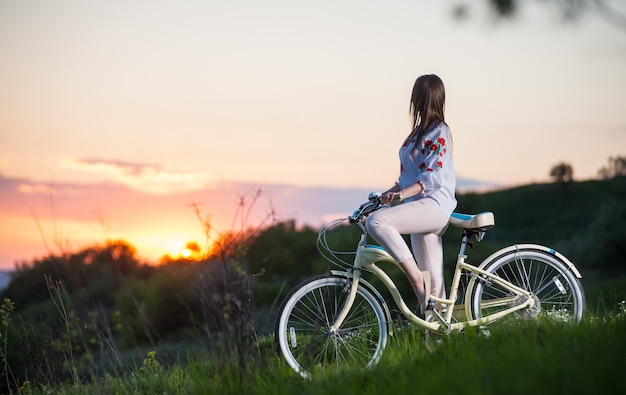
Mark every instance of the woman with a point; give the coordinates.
(426, 188)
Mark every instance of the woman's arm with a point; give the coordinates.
(396, 193)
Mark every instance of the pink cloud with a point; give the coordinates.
(148, 178)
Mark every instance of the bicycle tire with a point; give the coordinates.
(557, 291)
(302, 331)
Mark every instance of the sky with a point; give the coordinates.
(117, 118)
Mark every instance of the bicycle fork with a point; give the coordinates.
(352, 281)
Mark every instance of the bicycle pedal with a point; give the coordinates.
(441, 320)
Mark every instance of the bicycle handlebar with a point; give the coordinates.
(373, 204)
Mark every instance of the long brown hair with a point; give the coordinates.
(427, 104)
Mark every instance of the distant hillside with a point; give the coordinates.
(584, 220)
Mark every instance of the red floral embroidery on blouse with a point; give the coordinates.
(434, 148)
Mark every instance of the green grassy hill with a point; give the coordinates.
(548, 213)
(585, 221)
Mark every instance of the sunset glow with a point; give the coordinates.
(185, 249)
(154, 245)
(117, 119)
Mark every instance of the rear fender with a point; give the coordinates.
(537, 247)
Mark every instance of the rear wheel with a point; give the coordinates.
(303, 334)
(557, 292)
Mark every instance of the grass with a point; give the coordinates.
(527, 357)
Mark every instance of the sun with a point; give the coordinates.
(185, 250)
(159, 246)
(186, 253)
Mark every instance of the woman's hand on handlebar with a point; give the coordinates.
(390, 196)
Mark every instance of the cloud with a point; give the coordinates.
(147, 178)
(40, 188)
(34, 188)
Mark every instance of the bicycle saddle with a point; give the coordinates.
(476, 222)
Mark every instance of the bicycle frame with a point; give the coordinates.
(368, 255)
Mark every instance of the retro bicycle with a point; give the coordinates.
(340, 319)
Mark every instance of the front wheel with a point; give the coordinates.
(303, 334)
(557, 292)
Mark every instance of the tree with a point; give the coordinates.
(562, 172)
(569, 9)
(615, 168)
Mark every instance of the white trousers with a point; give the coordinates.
(425, 222)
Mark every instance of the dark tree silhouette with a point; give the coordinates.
(562, 172)
(615, 168)
(570, 10)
